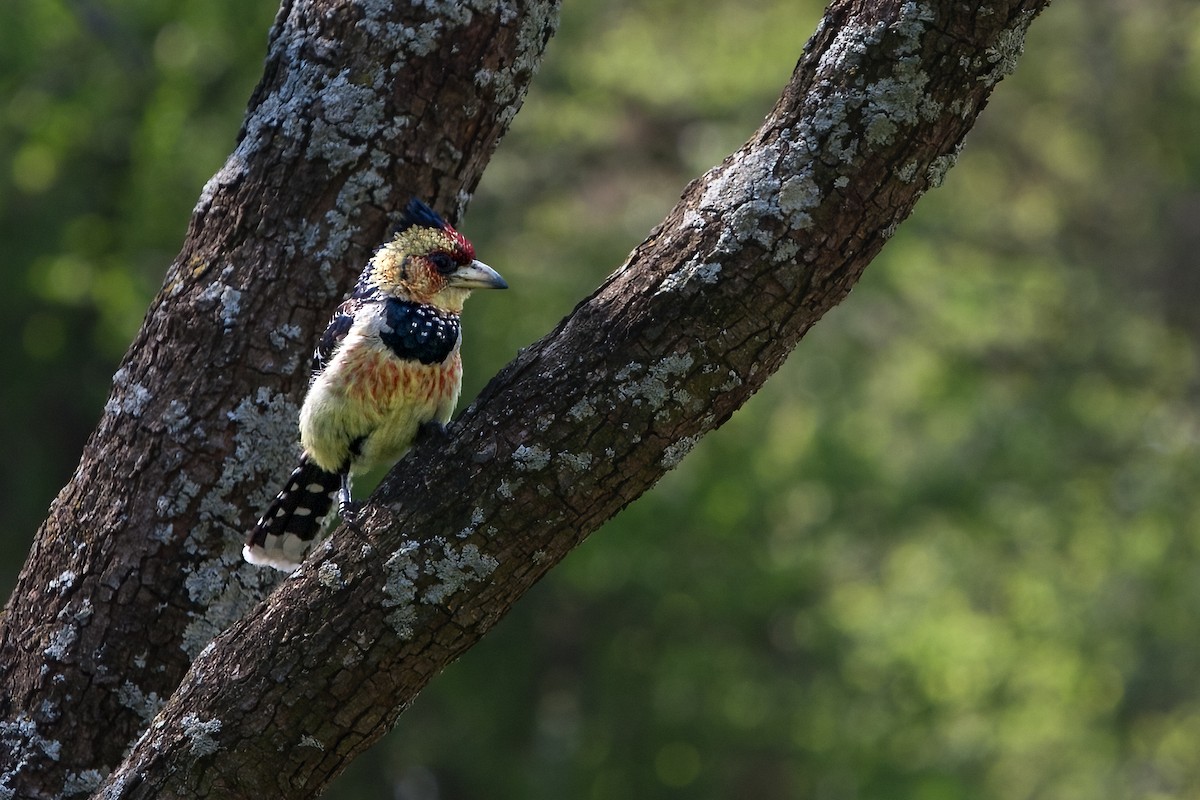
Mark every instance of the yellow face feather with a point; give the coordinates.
(416, 264)
(433, 266)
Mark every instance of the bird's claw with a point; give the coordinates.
(349, 510)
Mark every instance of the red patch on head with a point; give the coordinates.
(464, 251)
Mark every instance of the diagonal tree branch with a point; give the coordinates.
(584, 421)
(363, 104)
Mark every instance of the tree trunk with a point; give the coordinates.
(362, 106)
(137, 567)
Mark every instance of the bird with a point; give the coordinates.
(387, 366)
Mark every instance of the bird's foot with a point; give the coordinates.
(433, 430)
(349, 510)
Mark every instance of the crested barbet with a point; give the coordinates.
(387, 366)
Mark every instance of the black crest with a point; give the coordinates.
(418, 214)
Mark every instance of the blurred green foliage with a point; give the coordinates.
(952, 550)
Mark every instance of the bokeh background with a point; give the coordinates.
(952, 550)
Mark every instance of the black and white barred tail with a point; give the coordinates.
(293, 522)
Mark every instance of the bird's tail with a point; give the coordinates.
(293, 522)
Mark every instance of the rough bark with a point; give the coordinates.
(578, 426)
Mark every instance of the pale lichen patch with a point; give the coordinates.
(61, 641)
(343, 104)
(135, 400)
(264, 445)
(222, 588)
(537, 23)
(176, 419)
(24, 748)
(898, 99)
(576, 462)
(128, 397)
(457, 569)
(785, 253)
(1007, 49)
(799, 193)
(232, 172)
(655, 385)
(400, 589)
(477, 517)
(63, 583)
(201, 734)
(206, 581)
(936, 173)
(446, 574)
(692, 272)
(675, 452)
(732, 381)
(886, 103)
(22, 734)
(329, 575)
(81, 612)
(222, 296)
(179, 496)
(531, 458)
(142, 704)
(581, 410)
(281, 337)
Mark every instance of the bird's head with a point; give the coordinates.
(429, 262)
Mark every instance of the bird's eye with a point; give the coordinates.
(442, 262)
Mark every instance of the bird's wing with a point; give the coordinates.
(337, 329)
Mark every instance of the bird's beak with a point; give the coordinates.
(477, 275)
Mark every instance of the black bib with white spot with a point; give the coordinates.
(418, 332)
